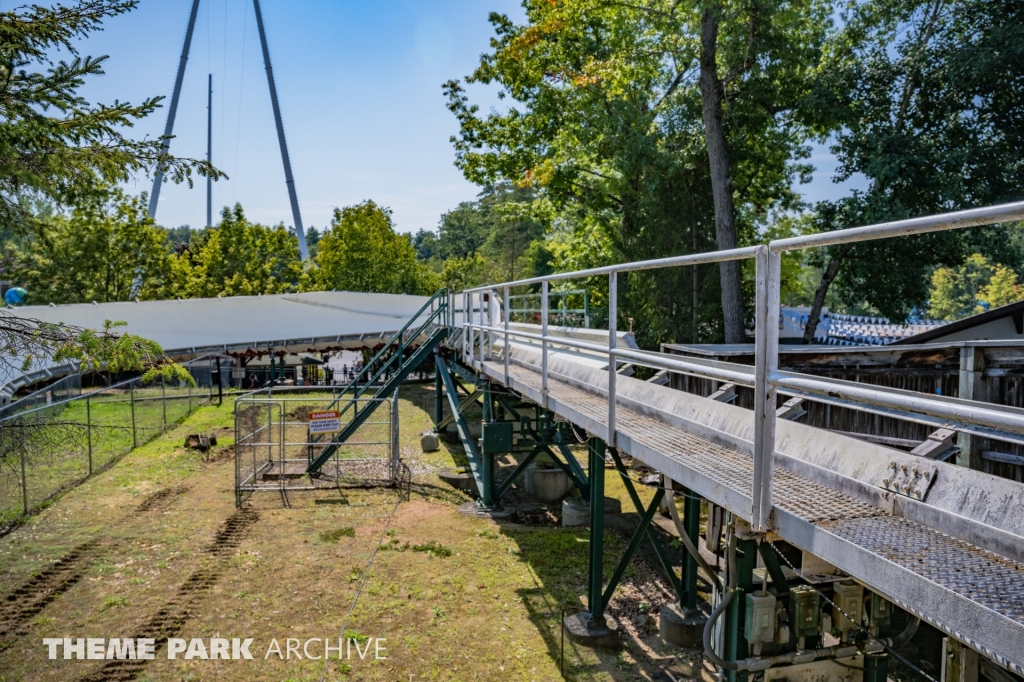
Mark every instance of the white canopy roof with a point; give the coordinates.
(188, 328)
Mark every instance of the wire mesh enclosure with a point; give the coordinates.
(276, 440)
(53, 447)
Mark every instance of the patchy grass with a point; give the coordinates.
(457, 598)
(337, 534)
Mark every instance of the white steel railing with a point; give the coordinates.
(766, 380)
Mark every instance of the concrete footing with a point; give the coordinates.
(547, 485)
(460, 480)
(577, 630)
(473, 509)
(576, 510)
(681, 627)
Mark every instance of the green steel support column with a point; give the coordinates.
(735, 643)
(595, 474)
(876, 668)
(488, 403)
(438, 398)
(691, 524)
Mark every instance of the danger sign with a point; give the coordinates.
(324, 422)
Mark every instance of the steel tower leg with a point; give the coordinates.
(209, 150)
(154, 197)
(289, 180)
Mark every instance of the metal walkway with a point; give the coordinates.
(945, 543)
(970, 593)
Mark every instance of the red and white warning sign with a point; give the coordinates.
(324, 422)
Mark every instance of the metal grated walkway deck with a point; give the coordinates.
(971, 593)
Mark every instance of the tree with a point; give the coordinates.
(605, 124)
(426, 245)
(765, 53)
(1002, 289)
(53, 143)
(360, 251)
(926, 97)
(236, 258)
(106, 249)
(956, 290)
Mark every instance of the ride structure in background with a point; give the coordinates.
(172, 111)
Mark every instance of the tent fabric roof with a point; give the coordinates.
(239, 320)
(187, 328)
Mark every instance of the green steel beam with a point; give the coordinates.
(516, 473)
(735, 643)
(771, 562)
(627, 482)
(438, 401)
(691, 525)
(634, 542)
(484, 486)
(466, 402)
(595, 600)
(578, 474)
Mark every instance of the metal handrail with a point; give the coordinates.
(766, 376)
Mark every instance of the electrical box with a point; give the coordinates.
(849, 597)
(880, 612)
(807, 609)
(759, 617)
(497, 437)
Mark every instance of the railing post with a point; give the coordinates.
(507, 349)
(480, 320)
(24, 484)
(163, 403)
(465, 329)
(544, 343)
(88, 430)
(131, 398)
(613, 311)
(766, 342)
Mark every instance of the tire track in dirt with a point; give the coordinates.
(33, 596)
(28, 600)
(162, 500)
(173, 615)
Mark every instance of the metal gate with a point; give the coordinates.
(274, 445)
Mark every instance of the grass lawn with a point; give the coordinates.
(154, 547)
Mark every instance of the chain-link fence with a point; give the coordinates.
(275, 443)
(51, 448)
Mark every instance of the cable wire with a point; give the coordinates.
(362, 583)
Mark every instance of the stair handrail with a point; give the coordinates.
(441, 296)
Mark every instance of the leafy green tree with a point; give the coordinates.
(426, 244)
(106, 249)
(236, 258)
(607, 124)
(956, 291)
(313, 236)
(55, 145)
(360, 251)
(1002, 289)
(927, 99)
(463, 230)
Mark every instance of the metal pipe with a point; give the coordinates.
(727, 597)
(763, 411)
(923, 404)
(924, 224)
(685, 539)
(544, 343)
(172, 111)
(613, 313)
(209, 151)
(289, 180)
(691, 259)
(508, 350)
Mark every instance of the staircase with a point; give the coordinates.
(433, 321)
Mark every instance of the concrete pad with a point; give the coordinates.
(681, 627)
(577, 630)
(473, 509)
(576, 510)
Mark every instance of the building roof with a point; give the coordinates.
(1002, 323)
(239, 325)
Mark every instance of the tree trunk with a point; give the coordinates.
(712, 95)
(827, 277)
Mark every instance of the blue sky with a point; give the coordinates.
(360, 90)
